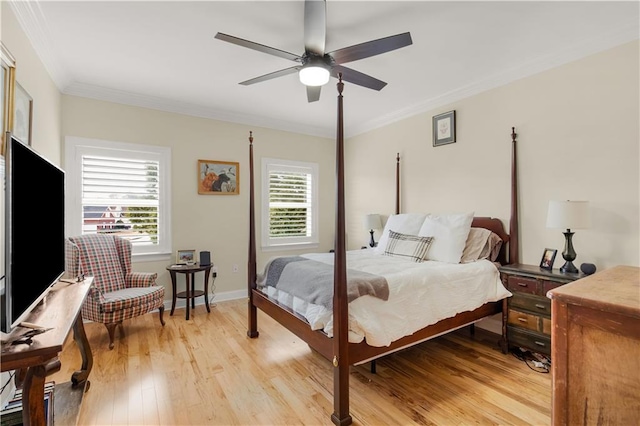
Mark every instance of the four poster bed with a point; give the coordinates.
(342, 348)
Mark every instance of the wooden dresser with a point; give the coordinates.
(596, 349)
(527, 314)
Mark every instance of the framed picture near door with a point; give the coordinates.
(7, 79)
(22, 114)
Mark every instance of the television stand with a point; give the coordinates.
(61, 311)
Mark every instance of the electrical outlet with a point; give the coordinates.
(235, 268)
(214, 271)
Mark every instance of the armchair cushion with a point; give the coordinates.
(129, 297)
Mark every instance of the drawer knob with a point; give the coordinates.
(540, 344)
(522, 319)
(523, 284)
(539, 306)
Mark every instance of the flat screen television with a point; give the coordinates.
(34, 248)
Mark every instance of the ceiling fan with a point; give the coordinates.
(315, 65)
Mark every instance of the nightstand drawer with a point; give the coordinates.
(524, 320)
(537, 304)
(535, 342)
(522, 284)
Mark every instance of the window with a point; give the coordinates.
(290, 204)
(120, 188)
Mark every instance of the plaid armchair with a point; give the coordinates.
(117, 293)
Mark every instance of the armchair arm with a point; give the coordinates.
(140, 279)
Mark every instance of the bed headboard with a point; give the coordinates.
(509, 250)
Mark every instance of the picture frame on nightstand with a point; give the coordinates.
(548, 257)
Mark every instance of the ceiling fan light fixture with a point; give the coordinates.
(314, 75)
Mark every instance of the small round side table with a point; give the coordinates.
(191, 293)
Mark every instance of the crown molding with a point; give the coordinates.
(34, 24)
(144, 101)
(623, 34)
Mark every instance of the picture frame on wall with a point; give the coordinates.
(22, 114)
(186, 257)
(548, 257)
(7, 80)
(444, 128)
(218, 177)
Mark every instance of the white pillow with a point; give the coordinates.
(449, 234)
(404, 223)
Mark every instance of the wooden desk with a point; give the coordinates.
(595, 349)
(60, 310)
(191, 293)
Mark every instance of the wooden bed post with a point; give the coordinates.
(398, 183)
(251, 283)
(513, 221)
(340, 414)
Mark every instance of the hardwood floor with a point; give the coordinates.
(206, 371)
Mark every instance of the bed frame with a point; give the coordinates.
(338, 349)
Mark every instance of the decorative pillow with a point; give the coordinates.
(481, 244)
(411, 247)
(449, 234)
(405, 223)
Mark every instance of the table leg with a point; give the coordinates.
(33, 396)
(207, 272)
(82, 342)
(188, 289)
(173, 286)
(193, 290)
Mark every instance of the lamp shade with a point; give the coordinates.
(568, 215)
(372, 221)
(314, 75)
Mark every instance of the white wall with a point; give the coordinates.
(578, 138)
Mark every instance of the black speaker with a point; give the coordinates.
(205, 258)
(588, 268)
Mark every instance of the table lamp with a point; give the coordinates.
(568, 215)
(371, 222)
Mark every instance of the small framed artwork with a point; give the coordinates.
(444, 128)
(548, 257)
(22, 114)
(218, 177)
(186, 257)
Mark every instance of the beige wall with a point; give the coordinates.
(34, 78)
(578, 138)
(206, 222)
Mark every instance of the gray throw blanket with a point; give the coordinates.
(312, 281)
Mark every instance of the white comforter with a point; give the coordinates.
(420, 294)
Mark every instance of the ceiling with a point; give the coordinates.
(163, 54)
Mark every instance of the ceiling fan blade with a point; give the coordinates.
(371, 48)
(270, 76)
(356, 77)
(315, 26)
(257, 46)
(313, 93)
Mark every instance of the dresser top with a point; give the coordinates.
(616, 290)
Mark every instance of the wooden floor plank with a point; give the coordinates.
(207, 371)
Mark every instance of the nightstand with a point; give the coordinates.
(527, 320)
